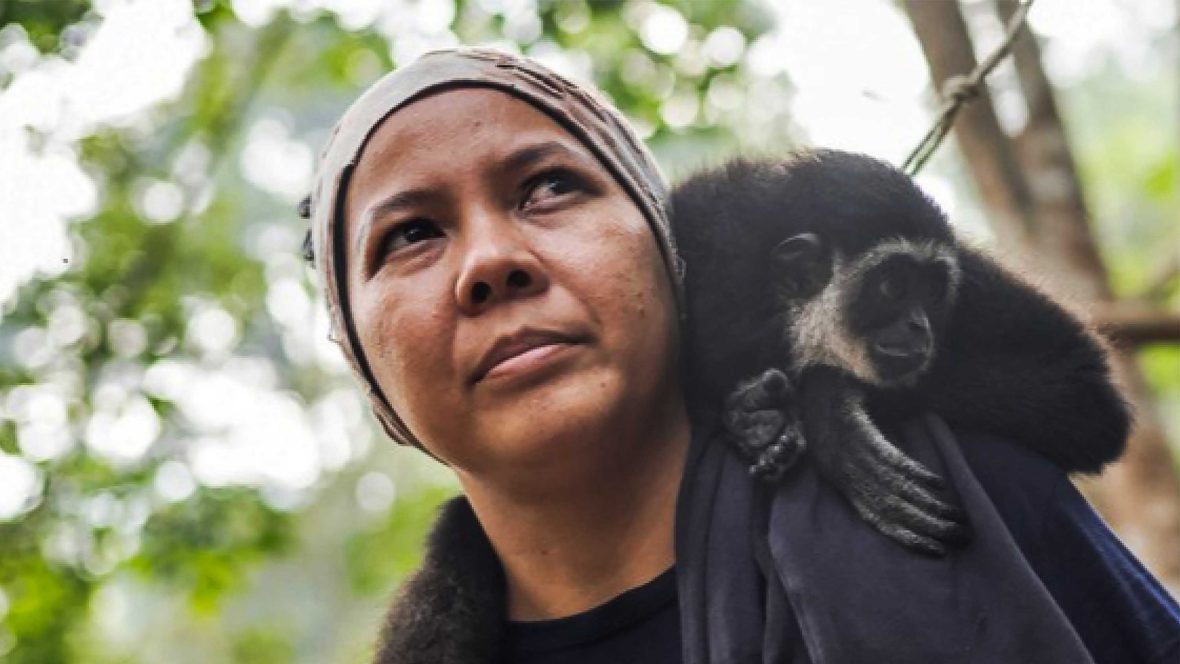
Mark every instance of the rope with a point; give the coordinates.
(958, 90)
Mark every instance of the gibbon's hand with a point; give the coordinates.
(762, 418)
(899, 496)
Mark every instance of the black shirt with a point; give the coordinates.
(640, 626)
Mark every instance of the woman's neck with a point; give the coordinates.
(571, 550)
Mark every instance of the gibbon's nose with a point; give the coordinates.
(906, 338)
(918, 324)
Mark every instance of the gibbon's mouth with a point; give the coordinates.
(902, 351)
(894, 365)
(518, 343)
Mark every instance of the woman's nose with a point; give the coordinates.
(499, 267)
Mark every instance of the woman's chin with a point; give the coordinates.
(565, 419)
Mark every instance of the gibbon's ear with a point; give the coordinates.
(798, 247)
(803, 265)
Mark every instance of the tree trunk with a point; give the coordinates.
(1045, 215)
(993, 162)
(1043, 149)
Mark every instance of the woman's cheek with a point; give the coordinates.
(406, 342)
(630, 282)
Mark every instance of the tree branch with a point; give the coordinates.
(1131, 325)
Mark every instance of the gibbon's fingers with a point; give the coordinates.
(895, 509)
(900, 533)
(911, 480)
(765, 469)
(790, 445)
(888, 480)
(775, 382)
(756, 414)
(781, 456)
(741, 421)
(887, 453)
(770, 390)
(892, 514)
(755, 430)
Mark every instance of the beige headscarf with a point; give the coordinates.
(580, 111)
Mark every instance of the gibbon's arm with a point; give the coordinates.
(1017, 364)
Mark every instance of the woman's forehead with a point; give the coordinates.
(481, 120)
(450, 133)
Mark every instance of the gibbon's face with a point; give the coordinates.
(878, 315)
(509, 296)
(899, 311)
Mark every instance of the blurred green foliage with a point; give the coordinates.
(106, 566)
(47, 23)
(102, 568)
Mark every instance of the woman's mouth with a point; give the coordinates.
(527, 361)
(522, 352)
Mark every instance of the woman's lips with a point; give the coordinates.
(521, 351)
(526, 362)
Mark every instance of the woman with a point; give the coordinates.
(493, 243)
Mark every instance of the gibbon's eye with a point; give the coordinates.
(550, 185)
(407, 233)
(892, 286)
(937, 283)
(936, 289)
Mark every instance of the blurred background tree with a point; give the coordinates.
(184, 459)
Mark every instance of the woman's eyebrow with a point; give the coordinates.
(389, 205)
(525, 156)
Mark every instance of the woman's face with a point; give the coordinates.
(509, 296)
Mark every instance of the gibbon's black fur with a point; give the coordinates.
(777, 343)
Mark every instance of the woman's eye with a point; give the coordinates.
(408, 233)
(550, 185)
